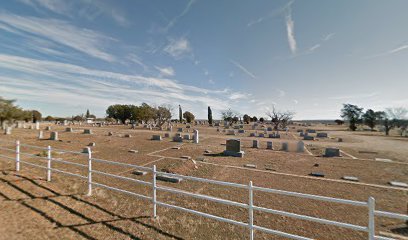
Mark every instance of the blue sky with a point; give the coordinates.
(63, 57)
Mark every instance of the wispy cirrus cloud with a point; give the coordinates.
(87, 9)
(86, 41)
(243, 69)
(390, 52)
(355, 96)
(165, 71)
(290, 29)
(273, 13)
(26, 78)
(178, 48)
(173, 21)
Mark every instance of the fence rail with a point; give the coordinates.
(249, 206)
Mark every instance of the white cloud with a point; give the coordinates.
(356, 96)
(54, 83)
(239, 96)
(313, 48)
(136, 59)
(328, 36)
(276, 12)
(295, 101)
(281, 92)
(178, 48)
(290, 28)
(390, 52)
(165, 71)
(243, 69)
(87, 9)
(173, 21)
(83, 40)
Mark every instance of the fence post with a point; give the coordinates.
(371, 220)
(17, 155)
(89, 172)
(251, 212)
(49, 163)
(154, 192)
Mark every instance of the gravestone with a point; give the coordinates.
(171, 128)
(233, 148)
(301, 134)
(179, 129)
(87, 131)
(316, 174)
(231, 132)
(48, 128)
(398, 184)
(196, 136)
(250, 165)
(157, 137)
(187, 137)
(69, 130)
(110, 133)
(255, 143)
(128, 136)
(350, 178)
(322, 135)
(308, 138)
(285, 146)
(269, 145)
(167, 135)
(311, 131)
(7, 131)
(300, 146)
(37, 126)
(270, 129)
(92, 144)
(299, 130)
(177, 138)
(241, 131)
(252, 135)
(253, 127)
(40, 135)
(54, 136)
(332, 152)
(261, 135)
(167, 178)
(139, 173)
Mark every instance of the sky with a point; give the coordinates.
(64, 57)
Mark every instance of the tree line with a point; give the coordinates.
(11, 112)
(389, 119)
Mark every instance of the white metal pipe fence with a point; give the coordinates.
(370, 204)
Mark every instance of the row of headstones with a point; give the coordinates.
(54, 135)
(300, 146)
(178, 137)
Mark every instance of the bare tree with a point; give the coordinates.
(280, 119)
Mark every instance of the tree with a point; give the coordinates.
(188, 116)
(180, 114)
(210, 119)
(246, 118)
(280, 119)
(78, 118)
(370, 118)
(119, 112)
(352, 113)
(87, 115)
(254, 119)
(37, 116)
(398, 116)
(147, 113)
(10, 112)
(229, 115)
(339, 121)
(163, 114)
(49, 119)
(261, 119)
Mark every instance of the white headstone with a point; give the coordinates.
(40, 135)
(37, 126)
(7, 131)
(196, 136)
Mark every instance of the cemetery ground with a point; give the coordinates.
(32, 208)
